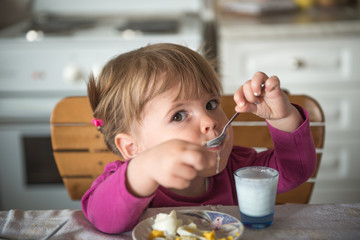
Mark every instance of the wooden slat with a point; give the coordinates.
(77, 164)
(77, 137)
(318, 161)
(318, 134)
(72, 110)
(252, 136)
(76, 187)
(259, 136)
(300, 194)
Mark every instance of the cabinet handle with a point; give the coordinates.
(295, 63)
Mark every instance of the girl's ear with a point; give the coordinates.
(126, 145)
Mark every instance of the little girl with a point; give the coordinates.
(159, 105)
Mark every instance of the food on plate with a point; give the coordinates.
(156, 234)
(167, 223)
(167, 226)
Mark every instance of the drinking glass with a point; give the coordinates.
(256, 192)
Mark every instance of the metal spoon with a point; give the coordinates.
(221, 138)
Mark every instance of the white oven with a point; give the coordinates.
(38, 68)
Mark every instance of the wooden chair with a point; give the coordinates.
(81, 154)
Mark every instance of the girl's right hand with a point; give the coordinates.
(172, 164)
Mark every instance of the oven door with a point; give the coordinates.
(28, 175)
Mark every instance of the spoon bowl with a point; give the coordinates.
(221, 138)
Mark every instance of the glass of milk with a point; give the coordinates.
(256, 192)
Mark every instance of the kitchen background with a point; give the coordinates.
(48, 48)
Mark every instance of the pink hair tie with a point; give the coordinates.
(97, 122)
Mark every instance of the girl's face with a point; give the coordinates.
(195, 120)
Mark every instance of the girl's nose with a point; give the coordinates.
(208, 124)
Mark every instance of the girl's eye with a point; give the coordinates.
(212, 105)
(179, 116)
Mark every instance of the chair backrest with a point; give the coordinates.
(79, 148)
(81, 154)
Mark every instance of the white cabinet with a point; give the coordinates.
(324, 64)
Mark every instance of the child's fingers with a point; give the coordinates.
(257, 82)
(261, 95)
(253, 89)
(177, 175)
(239, 97)
(194, 160)
(199, 158)
(245, 99)
(272, 83)
(249, 93)
(178, 182)
(184, 171)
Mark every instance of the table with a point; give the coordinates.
(291, 221)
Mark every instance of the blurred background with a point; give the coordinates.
(49, 47)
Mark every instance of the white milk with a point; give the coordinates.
(256, 190)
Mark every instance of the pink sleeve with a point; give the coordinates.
(294, 154)
(108, 205)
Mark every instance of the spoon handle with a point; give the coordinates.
(231, 119)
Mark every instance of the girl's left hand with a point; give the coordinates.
(269, 102)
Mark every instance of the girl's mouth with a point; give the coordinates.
(217, 148)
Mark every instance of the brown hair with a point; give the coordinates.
(128, 81)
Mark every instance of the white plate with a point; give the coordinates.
(223, 224)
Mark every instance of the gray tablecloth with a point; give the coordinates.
(291, 221)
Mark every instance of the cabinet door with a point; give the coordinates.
(305, 62)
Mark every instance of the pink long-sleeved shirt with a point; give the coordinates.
(111, 208)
